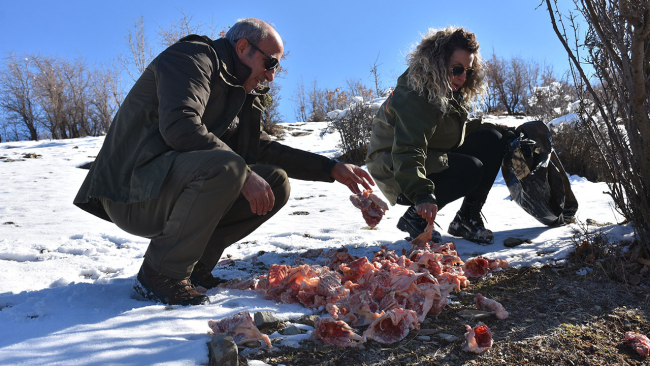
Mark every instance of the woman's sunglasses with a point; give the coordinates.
(272, 63)
(459, 70)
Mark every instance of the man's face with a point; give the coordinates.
(249, 56)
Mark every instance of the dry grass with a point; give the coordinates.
(557, 317)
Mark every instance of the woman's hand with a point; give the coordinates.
(428, 211)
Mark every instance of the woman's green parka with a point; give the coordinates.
(410, 139)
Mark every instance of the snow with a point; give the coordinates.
(66, 295)
(566, 119)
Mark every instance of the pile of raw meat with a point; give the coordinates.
(390, 294)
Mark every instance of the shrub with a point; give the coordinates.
(354, 126)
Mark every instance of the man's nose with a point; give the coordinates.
(270, 74)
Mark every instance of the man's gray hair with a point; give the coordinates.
(254, 30)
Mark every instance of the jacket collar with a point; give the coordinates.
(233, 71)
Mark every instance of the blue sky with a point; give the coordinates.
(330, 41)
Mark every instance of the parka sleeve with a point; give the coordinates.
(415, 123)
(298, 164)
(183, 74)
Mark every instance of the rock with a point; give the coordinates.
(291, 330)
(223, 350)
(251, 344)
(597, 308)
(474, 315)
(265, 319)
(423, 338)
(447, 337)
(512, 242)
(426, 332)
(299, 213)
(308, 320)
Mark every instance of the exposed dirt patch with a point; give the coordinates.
(557, 317)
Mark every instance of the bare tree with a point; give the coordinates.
(105, 98)
(178, 29)
(374, 70)
(17, 95)
(140, 52)
(74, 74)
(50, 92)
(356, 89)
(509, 82)
(317, 103)
(271, 115)
(496, 78)
(617, 46)
(300, 100)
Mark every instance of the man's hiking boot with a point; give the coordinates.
(412, 223)
(469, 224)
(202, 276)
(158, 287)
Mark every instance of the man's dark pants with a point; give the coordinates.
(200, 210)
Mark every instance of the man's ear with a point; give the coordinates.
(241, 46)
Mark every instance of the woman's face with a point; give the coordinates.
(462, 58)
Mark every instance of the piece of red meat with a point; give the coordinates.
(476, 267)
(393, 326)
(424, 238)
(492, 306)
(477, 339)
(494, 264)
(241, 327)
(639, 342)
(372, 207)
(335, 332)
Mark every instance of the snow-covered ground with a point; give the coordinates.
(66, 293)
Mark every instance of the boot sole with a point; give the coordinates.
(403, 225)
(146, 293)
(465, 234)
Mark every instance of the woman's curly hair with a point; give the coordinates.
(429, 66)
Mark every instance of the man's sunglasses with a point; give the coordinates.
(272, 63)
(459, 70)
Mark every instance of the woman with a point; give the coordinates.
(424, 152)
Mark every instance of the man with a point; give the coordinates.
(186, 164)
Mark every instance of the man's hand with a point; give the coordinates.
(259, 194)
(351, 175)
(428, 211)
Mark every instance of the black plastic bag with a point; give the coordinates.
(535, 177)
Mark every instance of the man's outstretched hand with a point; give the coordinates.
(351, 176)
(259, 194)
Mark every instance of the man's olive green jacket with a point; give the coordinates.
(189, 98)
(410, 140)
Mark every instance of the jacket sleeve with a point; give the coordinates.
(183, 74)
(298, 164)
(415, 123)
